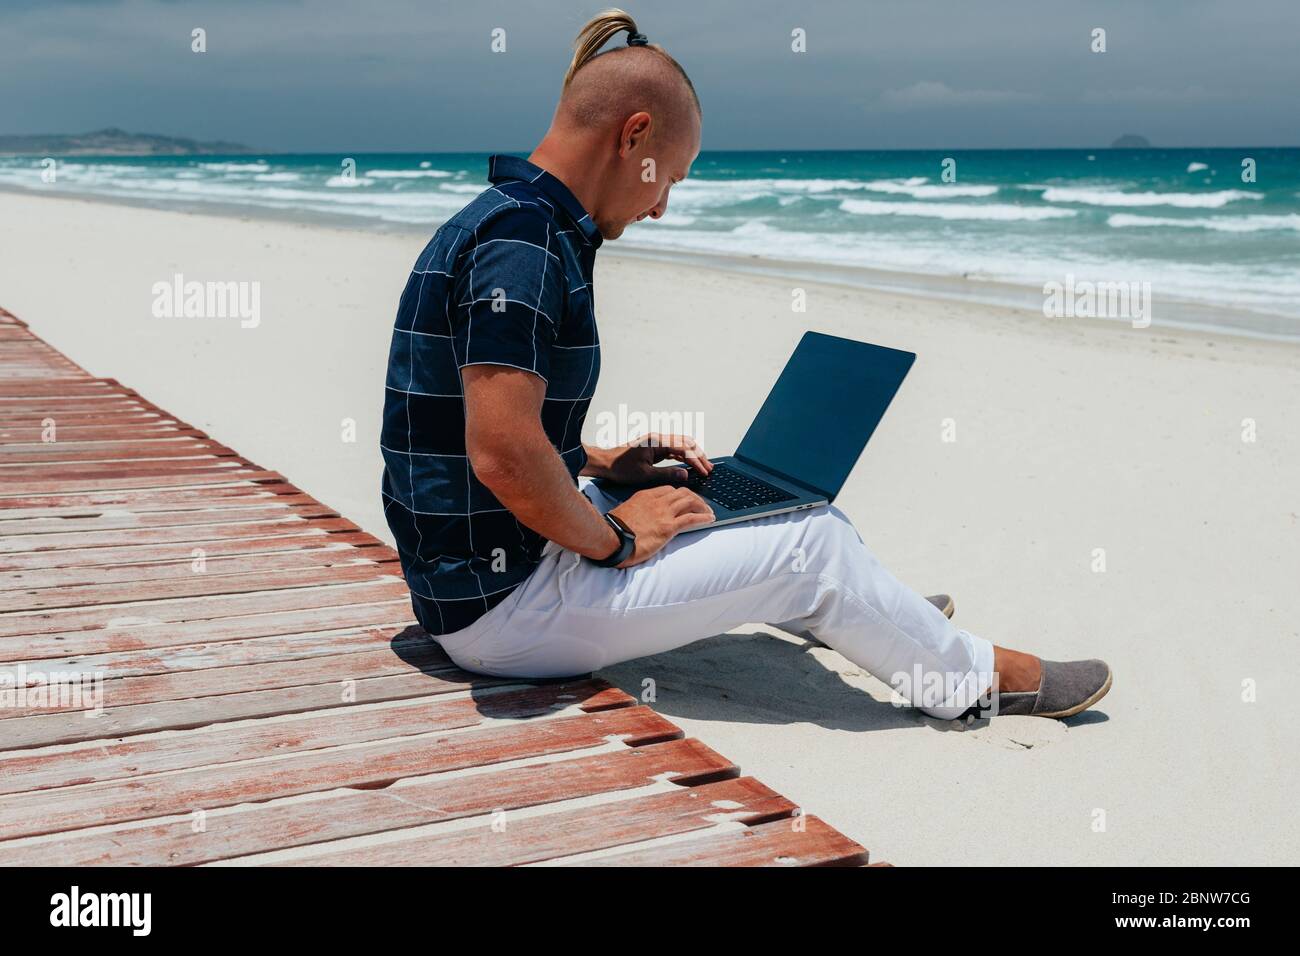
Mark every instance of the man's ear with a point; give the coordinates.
(636, 130)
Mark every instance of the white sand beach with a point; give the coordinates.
(1071, 435)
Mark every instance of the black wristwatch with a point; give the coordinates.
(626, 544)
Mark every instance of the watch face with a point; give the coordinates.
(626, 543)
(622, 530)
(618, 524)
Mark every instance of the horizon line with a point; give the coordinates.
(250, 150)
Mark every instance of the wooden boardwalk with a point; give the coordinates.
(263, 695)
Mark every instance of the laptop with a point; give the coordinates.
(808, 435)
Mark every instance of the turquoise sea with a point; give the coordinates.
(1185, 220)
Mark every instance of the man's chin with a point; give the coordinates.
(612, 230)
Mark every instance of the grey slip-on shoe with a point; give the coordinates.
(1065, 689)
(943, 602)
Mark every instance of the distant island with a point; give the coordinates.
(1131, 141)
(113, 142)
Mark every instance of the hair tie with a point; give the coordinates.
(636, 39)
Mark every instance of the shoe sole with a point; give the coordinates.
(1080, 708)
(947, 609)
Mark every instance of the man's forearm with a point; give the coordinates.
(532, 481)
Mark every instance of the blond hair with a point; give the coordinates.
(600, 29)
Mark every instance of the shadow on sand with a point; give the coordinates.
(756, 677)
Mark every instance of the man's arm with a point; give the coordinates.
(513, 458)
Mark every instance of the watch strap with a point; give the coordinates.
(626, 544)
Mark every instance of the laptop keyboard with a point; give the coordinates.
(735, 490)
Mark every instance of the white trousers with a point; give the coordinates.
(806, 571)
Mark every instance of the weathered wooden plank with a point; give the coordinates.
(228, 833)
(65, 728)
(136, 450)
(291, 538)
(45, 372)
(237, 527)
(108, 400)
(138, 502)
(395, 613)
(35, 345)
(39, 389)
(17, 474)
(214, 476)
(21, 479)
(36, 411)
(99, 761)
(108, 449)
(183, 568)
(369, 765)
(196, 584)
(97, 422)
(56, 427)
(534, 839)
(116, 521)
(257, 650)
(89, 396)
(16, 440)
(120, 692)
(28, 624)
(779, 843)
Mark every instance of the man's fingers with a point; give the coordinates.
(688, 502)
(667, 476)
(692, 518)
(698, 458)
(682, 448)
(694, 456)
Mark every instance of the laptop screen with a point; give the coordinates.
(824, 407)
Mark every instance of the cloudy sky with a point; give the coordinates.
(331, 75)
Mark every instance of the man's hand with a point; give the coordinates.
(656, 515)
(634, 463)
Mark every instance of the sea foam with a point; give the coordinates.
(992, 212)
(1115, 197)
(1123, 220)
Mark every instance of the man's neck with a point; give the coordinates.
(572, 167)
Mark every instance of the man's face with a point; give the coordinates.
(650, 166)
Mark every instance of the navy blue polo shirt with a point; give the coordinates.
(506, 281)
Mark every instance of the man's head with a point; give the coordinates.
(627, 126)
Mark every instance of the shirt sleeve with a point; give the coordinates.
(510, 293)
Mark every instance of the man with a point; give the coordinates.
(494, 360)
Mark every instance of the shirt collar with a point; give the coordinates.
(502, 168)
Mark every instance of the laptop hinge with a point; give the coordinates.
(790, 478)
